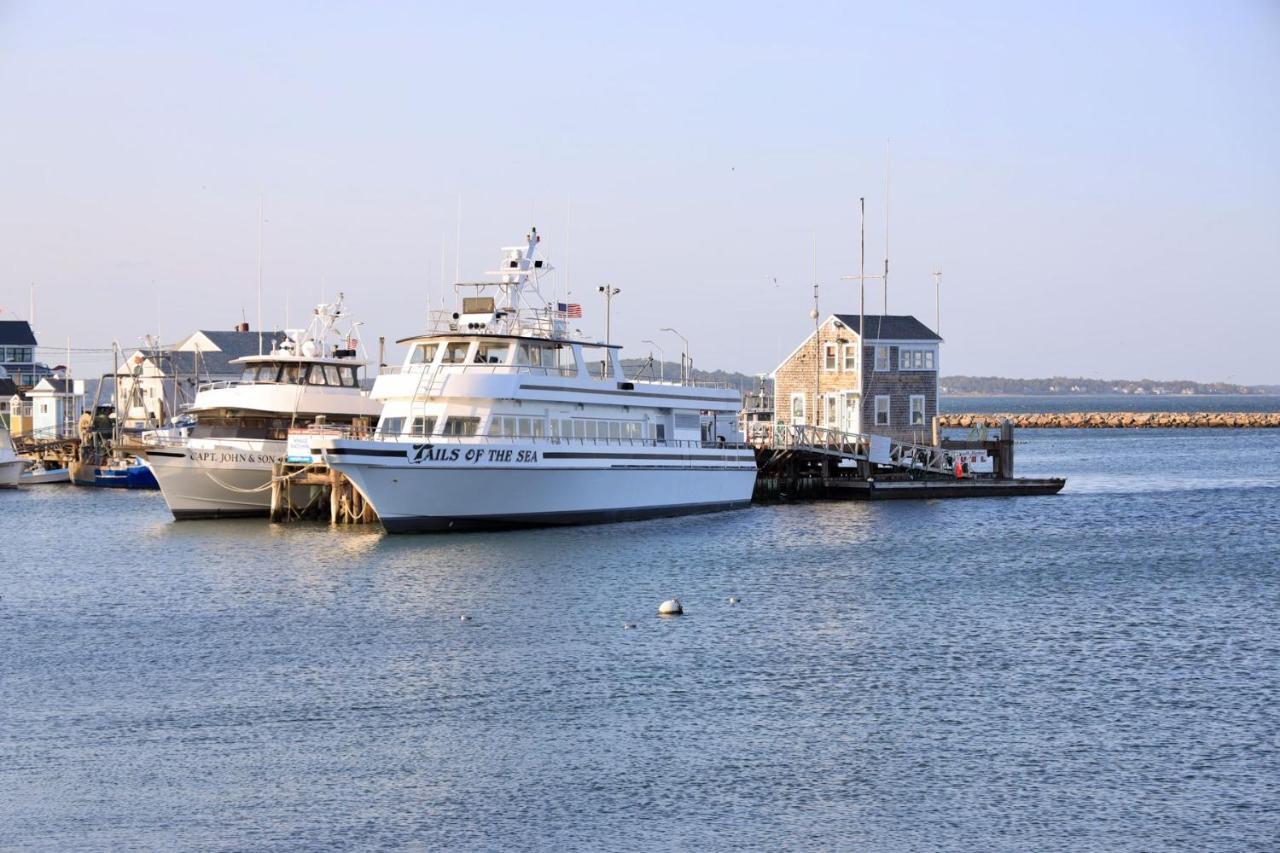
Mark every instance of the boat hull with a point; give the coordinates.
(11, 473)
(551, 487)
(55, 475)
(219, 480)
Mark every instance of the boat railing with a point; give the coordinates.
(488, 439)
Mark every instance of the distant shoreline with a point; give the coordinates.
(1061, 395)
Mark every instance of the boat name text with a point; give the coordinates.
(475, 455)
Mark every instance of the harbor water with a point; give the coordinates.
(1098, 670)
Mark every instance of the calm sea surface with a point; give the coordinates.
(1094, 671)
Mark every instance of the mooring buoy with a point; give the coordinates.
(464, 618)
(626, 626)
(733, 599)
(670, 607)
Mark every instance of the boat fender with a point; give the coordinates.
(959, 470)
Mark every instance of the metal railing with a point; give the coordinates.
(857, 446)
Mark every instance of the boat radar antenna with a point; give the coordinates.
(518, 274)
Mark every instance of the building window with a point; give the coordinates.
(915, 359)
(882, 359)
(850, 357)
(917, 410)
(828, 356)
(797, 408)
(882, 409)
(831, 411)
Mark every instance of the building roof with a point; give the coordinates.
(230, 345)
(7, 388)
(890, 327)
(16, 333)
(56, 384)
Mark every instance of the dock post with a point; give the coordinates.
(333, 496)
(1006, 449)
(274, 515)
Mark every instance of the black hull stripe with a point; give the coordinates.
(444, 524)
(168, 453)
(198, 514)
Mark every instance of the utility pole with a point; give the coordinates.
(817, 354)
(937, 301)
(685, 363)
(609, 292)
(259, 275)
(862, 278)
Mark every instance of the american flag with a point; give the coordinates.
(570, 309)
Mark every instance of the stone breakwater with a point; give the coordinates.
(1114, 420)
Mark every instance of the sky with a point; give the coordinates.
(1098, 182)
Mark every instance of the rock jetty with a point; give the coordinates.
(1114, 420)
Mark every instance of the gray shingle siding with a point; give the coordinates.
(899, 385)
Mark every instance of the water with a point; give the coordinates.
(1094, 671)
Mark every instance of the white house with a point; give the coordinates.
(56, 404)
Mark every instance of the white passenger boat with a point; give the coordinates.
(501, 417)
(222, 466)
(11, 464)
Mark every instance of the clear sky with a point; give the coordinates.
(1099, 182)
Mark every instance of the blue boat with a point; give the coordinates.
(129, 473)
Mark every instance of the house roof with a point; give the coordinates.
(230, 346)
(56, 384)
(7, 388)
(16, 333)
(890, 327)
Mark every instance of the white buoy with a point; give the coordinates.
(670, 607)
(464, 618)
(733, 599)
(628, 625)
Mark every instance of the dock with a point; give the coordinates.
(813, 463)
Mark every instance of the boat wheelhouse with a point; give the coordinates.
(222, 464)
(501, 416)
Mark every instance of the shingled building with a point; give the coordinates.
(822, 382)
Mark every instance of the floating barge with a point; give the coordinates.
(810, 463)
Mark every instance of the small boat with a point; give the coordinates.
(10, 463)
(37, 475)
(117, 473)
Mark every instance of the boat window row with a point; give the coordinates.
(515, 426)
(292, 373)
(534, 356)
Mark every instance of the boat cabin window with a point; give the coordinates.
(599, 361)
(349, 376)
(424, 354)
(390, 426)
(260, 373)
(331, 375)
(461, 426)
(315, 375)
(547, 358)
(422, 426)
(492, 353)
(291, 374)
(455, 352)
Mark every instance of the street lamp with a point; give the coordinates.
(685, 363)
(662, 377)
(609, 292)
